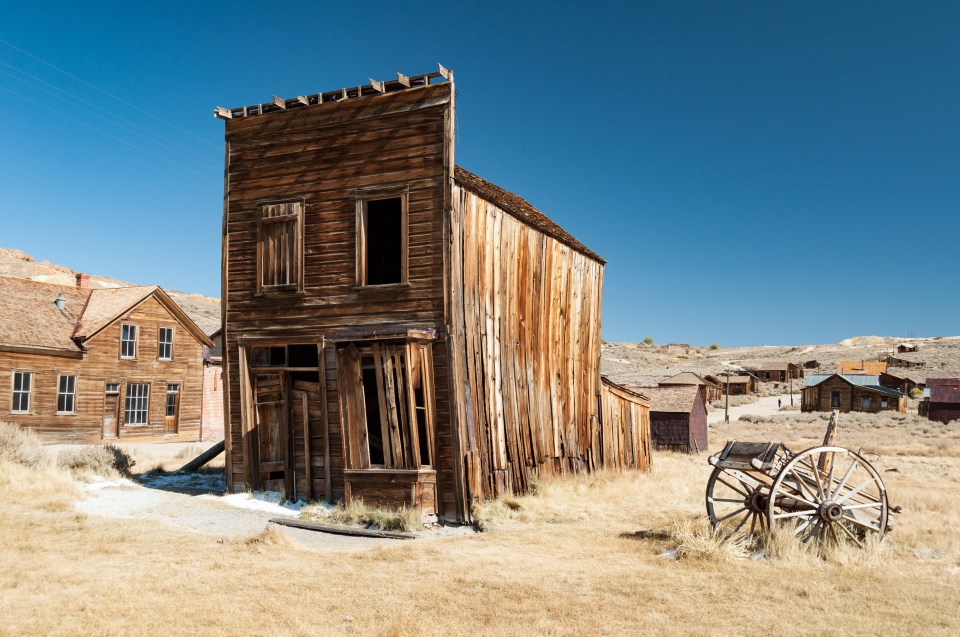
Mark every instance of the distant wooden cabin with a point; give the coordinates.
(870, 368)
(904, 348)
(811, 364)
(106, 364)
(713, 390)
(678, 417)
(776, 371)
(739, 385)
(900, 382)
(853, 392)
(396, 328)
(896, 361)
(943, 402)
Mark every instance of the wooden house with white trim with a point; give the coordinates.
(94, 365)
(396, 328)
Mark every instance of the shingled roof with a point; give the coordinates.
(29, 316)
(520, 209)
(673, 398)
(688, 378)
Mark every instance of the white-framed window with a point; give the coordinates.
(66, 394)
(22, 386)
(136, 404)
(113, 388)
(165, 345)
(128, 341)
(173, 393)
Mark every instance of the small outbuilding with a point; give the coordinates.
(740, 385)
(943, 403)
(713, 389)
(678, 418)
(850, 392)
(906, 363)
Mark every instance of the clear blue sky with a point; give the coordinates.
(754, 173)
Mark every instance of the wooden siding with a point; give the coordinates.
(525, 351)
(101, 364)
(328, 156)
(818, 398)
(685, 432)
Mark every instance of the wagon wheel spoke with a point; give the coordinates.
(865, 505)
(734, 500)
(833, 532)
(804, 488)
(753, 522)
(795, 514)
(742, 522)
(816, 476)
(862, 524)
(737, 489)
(846, 476)
(843, 527)
(730, 515)
(860, 488)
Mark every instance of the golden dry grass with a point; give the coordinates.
(583, 556)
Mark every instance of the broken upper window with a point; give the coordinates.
(381, 241)
(279, 247)
(387, 405)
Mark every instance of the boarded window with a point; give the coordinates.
(165, 346)
(66, 394)
(136, 404)
(22, 386)
(387, 404)
(128, 341)
(381, 241)
(279, 248)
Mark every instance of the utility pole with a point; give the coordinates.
(726, 404)
(791, 386)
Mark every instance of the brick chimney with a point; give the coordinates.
(83, 280)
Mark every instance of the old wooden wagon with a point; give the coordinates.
(396, 328)
(825, 495)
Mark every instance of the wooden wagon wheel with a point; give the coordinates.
(736, 503)
(829, 495)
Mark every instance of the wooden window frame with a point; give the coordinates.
(166, 403)
(363, 197)
(73, 395)
(263, 222)
(136, 339)
(160, 343)
(839, 401)
(146, 409)
(14, 391)
(864, 402)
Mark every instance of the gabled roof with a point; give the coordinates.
(770, 366)
(866, 381)
(944, 390)
(736, 380)
(678, 399)
(687, 378)
(862, 367)
(521, 210)
(29, 316)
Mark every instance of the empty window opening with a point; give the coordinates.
(302, 356)
(835, 399)
(66, 394)
(371, 400)
(22, 385)
(136, 404)
(128, 341)
(383, 241)
(166, 344)
(269, 356)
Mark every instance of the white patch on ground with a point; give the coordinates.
(104, 483)
(266, 501)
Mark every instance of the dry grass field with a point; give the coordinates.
(583, 555)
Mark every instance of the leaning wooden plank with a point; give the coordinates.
(203, 458)
(343, 530)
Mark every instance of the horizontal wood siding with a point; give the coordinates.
(818, 398)
(324, 154)
(101, 364)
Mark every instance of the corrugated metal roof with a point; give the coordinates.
(866, 381)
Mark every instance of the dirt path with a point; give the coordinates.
(203, 513)
(766, 406)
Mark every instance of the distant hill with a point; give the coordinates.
(204, 310)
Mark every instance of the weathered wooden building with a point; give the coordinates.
(678, 417)
(776, 371)
(904, 348)
(900, 382)
(906, 363)
(740, 384)
(849, 392)
(91, 365)
(870, 368)
(943, 402)
(712, 387)
(396, 328)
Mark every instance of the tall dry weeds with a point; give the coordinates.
(21, 446)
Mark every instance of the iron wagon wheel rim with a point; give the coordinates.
(829, 502)
(747, 514)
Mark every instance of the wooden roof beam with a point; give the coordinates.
(279, 102)
(403, 79)
(377, 86)
(222, 113)
(445, 72)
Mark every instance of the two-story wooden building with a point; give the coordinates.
(92, 365)
(396, 328)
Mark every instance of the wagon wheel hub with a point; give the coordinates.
(756, 502)
(830, 511)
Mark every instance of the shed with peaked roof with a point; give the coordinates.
(713, 390)
(775, 371)
(678, 417)
(91, 365)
